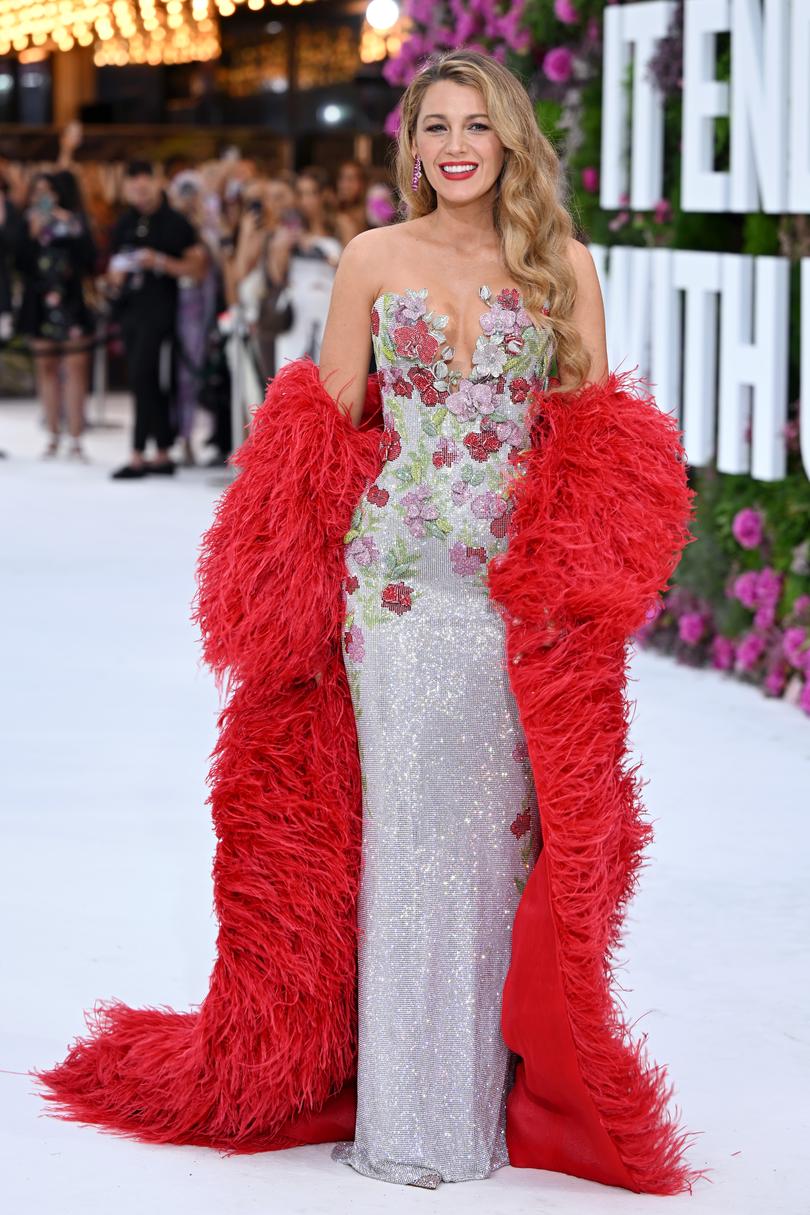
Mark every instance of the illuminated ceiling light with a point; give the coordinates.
(382, 14)
(332, 113)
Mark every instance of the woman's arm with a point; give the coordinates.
(588, 314)
(346, 344)
(279, 251)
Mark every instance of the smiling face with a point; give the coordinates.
(453, 129)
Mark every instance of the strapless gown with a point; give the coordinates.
(451, 825)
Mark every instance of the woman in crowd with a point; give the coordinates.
(352, 185)
(196, 308)
(55, 253)
(303, 256)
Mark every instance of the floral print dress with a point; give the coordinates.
(450, 817)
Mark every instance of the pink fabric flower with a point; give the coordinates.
(558, 64)
(488, 506)
(747, 527)
(590, 179)
(466, 560)
(691, 627)
(804, 697)
(723, 653)
(363, 550)
(355, 643)
(564, 11)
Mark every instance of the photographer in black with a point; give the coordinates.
(152, 247)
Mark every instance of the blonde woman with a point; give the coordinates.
(419, 590)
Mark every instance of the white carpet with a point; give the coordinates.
(107, 723)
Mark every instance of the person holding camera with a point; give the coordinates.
(302, 256)
(55, 253)
(152, 247)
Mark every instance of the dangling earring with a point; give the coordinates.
(417, 171)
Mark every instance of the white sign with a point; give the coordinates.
(767, 103)
(710, 332)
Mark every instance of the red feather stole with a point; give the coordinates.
(601, 513)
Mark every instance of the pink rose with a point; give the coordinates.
(722, 653)
(590, 179)
(747, 527)
(558, 64)
(564, 11)
(749, 651)
(663, 211)
(691, 627)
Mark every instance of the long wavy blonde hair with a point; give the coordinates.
(530, 214)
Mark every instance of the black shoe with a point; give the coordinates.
(128, 472)
(161, 468)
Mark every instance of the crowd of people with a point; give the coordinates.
(210, 275)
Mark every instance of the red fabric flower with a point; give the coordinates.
(390, 445)
(396, 596)
(421, 378)
(519, 389)
(375, 321)
(415, 342)
(443, 458)
(377, 496)
(479, 553)
(351, 584)
(521, 824)
(481, 446)
(402, 388)
(509, 298)
(514, 456)
(429, 396)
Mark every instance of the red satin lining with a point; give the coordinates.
(552, 1122)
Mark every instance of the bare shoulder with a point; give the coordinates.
(374, 257)
(589, 309)
(584, 267)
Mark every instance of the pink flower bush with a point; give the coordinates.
(558, 64)
(747, 527)
(749, 651)
(691, 627)
(794, 648)
(590, 179)
(564, 11)
(804, 697)
(723, 653)
(775, 682)
(663, 211)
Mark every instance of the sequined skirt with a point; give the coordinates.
(450, 833)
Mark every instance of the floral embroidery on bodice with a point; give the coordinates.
(449, 443)
(425, 528)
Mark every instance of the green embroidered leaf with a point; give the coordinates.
(429, 428)
(439, 415)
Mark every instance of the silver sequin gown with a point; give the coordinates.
(450, 816)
